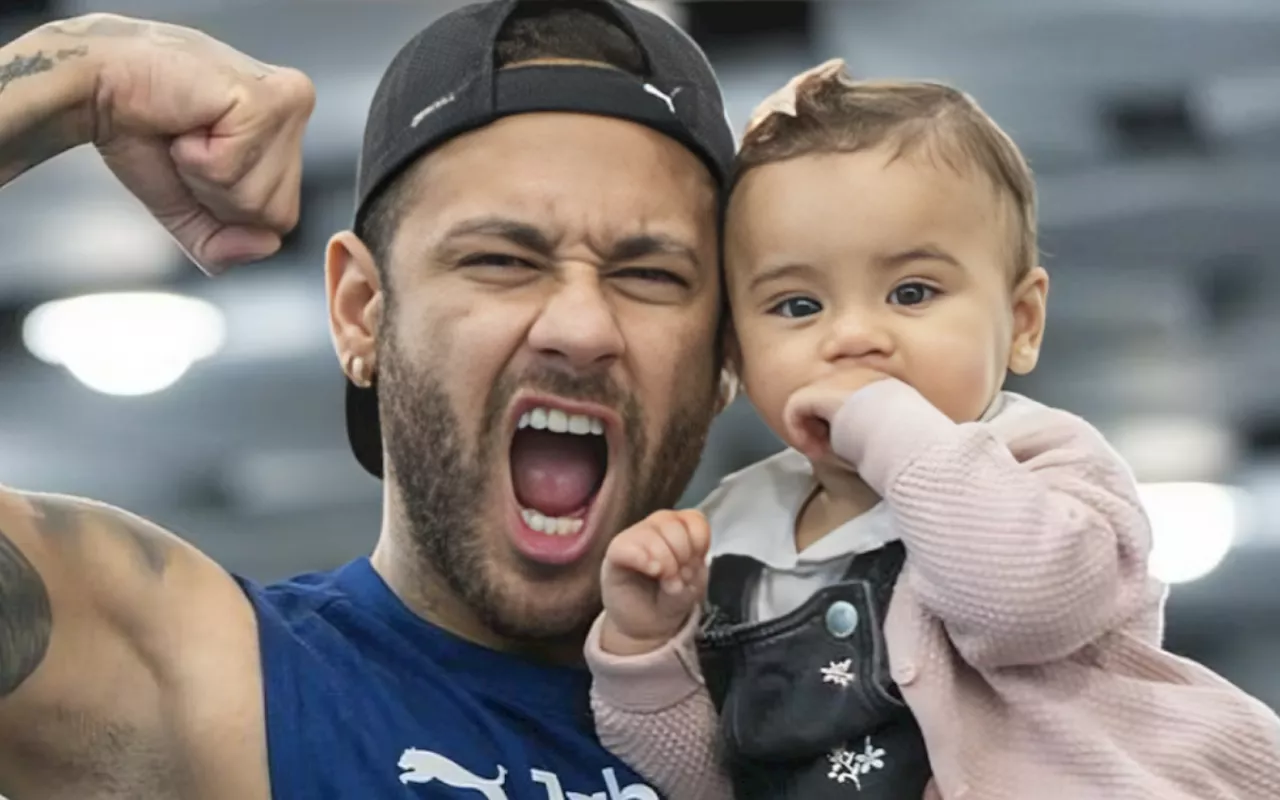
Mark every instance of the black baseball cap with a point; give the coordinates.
(445, 82)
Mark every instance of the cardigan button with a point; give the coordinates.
(905, 674)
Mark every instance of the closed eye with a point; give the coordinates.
(651, 274)
(496, 260)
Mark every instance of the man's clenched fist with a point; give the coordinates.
(209, 139)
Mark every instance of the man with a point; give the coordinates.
(528, 311)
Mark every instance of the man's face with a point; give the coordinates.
(546, 363)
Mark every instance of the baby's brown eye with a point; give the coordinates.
(796, 307)
(912, 294)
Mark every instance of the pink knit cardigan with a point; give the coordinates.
(1024, 630)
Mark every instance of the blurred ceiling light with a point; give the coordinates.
(127, 343)
(1239, 104)
(1194, 526)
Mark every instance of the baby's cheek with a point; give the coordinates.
(960, 386)
(769, 396)
(769, 385)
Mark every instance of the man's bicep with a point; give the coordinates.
(72, 569)
(128, 645)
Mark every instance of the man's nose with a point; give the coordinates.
(578, 325)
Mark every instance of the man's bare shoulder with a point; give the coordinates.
(123, 652)
(89, 557)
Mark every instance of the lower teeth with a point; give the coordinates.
(552, 526)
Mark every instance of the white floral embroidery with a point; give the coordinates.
(839, 672)
(847, 765)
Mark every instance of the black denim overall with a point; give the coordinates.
(807, 706)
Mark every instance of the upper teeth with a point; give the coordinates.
(557, 421)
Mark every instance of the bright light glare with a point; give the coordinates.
(127, 343)
(1194, 526)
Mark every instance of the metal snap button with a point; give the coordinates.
(842, 619)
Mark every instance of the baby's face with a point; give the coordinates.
(860, 262)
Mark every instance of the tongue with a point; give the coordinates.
(553, 473)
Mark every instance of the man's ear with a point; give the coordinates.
(353, 287)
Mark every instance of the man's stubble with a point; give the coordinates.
(444, 482)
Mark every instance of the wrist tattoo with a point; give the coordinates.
(25, 66)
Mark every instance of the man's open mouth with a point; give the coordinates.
(559, 462)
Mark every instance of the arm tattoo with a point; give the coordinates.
(26, 613)
(45, 138)
(107, 26)
(25, 66)
(26, 618)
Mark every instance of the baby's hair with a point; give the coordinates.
(835, 114)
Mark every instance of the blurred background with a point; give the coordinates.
(1153, 126)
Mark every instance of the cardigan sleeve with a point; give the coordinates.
(1026, 533)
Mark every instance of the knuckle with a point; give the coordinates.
(641, 537)
(299, 83)
(626, 538)
(291, 93)
(675, 536)
(662, 518)
(247, 206)
(662, 536)
(690, 523)
(224, 174)
(283, 217)
(225, 170)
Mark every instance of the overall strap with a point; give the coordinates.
(729, 586)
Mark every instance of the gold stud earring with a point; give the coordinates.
(360, 372)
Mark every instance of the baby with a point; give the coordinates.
(940, 589)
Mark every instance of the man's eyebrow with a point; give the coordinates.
(518, 233)
(532, 238)
(644, 245)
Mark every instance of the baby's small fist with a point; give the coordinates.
(653, 576)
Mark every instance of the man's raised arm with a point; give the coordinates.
(208, 138)
(106, 620)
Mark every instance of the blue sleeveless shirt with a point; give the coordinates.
(365, 701)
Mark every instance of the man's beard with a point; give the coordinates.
(444, 483)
